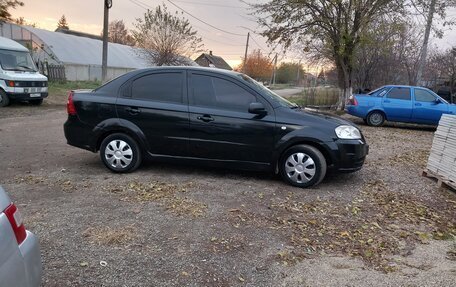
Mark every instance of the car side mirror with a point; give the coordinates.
(257, 109)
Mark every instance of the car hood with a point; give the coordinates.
(304, 116)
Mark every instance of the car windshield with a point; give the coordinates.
(267, 92)
(16, 61)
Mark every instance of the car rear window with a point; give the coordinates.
(160, 87)
(399, 93)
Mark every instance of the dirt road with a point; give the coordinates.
(171, 225)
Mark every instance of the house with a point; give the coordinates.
(210, 60)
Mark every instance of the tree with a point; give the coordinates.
(5, 5)
(118, 33)
(63, 24)
(23, 22)
(165, 37)
(289, 72)
(257, 66)
(429, 10)
(334, 26)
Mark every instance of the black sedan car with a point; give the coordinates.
(213, 117)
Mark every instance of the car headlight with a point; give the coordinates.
(348, 132)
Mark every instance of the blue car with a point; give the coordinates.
(399, 104)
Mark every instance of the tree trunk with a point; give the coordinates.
(423, 55)
(345, 83)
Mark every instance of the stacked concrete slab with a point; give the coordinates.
(442, 160)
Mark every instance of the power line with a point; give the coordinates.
(224, 31)
(259, 46)
(208, 4)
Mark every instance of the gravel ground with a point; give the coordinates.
(171, 225)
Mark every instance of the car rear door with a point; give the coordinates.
(397, 104)
(156, 104)
(221, 126)
(427, 109)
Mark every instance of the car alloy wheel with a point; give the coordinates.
(120, 153)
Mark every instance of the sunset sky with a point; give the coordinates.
(231, 16)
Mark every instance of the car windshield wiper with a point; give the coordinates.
(26, 67)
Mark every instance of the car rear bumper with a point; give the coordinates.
(32, 259)
(78, 134)
(349, 155)
(354, 111)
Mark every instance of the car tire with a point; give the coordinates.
(376, 119)
(302, 166)
(36, 102)
(120, 153)
(4, 99)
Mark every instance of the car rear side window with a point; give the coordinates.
(424, 96)
(399, 93)
(219, 93)
(164, 87)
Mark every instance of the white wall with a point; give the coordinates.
(74, 72)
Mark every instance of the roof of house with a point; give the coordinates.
(80, 50)
(217, 61)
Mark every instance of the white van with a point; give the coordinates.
(19, 77)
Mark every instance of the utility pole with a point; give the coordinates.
(298, 73)
(104, 62)
(246, 51)
(273, 78)
(427, 31)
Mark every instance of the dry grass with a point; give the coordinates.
(110, 236)
(168, 195)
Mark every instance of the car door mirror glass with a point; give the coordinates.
(257, 109)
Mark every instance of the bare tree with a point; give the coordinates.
(62, 23)
(23, 22)
(166, 37)
(118, 33)
(5, 5)
(336, 25)
(429, 10)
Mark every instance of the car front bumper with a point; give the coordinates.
(27, 96)
(348, 155)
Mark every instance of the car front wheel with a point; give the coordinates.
(120, 153)
(4, 99)
(303, 166)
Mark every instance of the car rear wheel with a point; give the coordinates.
(376, 119)
(36, 102)
(4, 99)
(120, 153)
(303, 166)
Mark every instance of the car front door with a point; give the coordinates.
(156, 104)
(397, 104)
(221, 126)
(428, 108)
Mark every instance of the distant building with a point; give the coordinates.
(79, 53)
(210, 60)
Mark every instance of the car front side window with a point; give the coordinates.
(219, 93)
(424, 96)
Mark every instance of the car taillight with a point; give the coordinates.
(15, 219)
(353, 101)
(71, 109)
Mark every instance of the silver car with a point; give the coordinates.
(20, 260)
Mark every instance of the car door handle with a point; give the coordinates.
(387, 101)
(133, 111)
(205, 118)
(418, 104)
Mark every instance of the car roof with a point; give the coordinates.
(8, 44)
(402, 86)
(187, 68)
